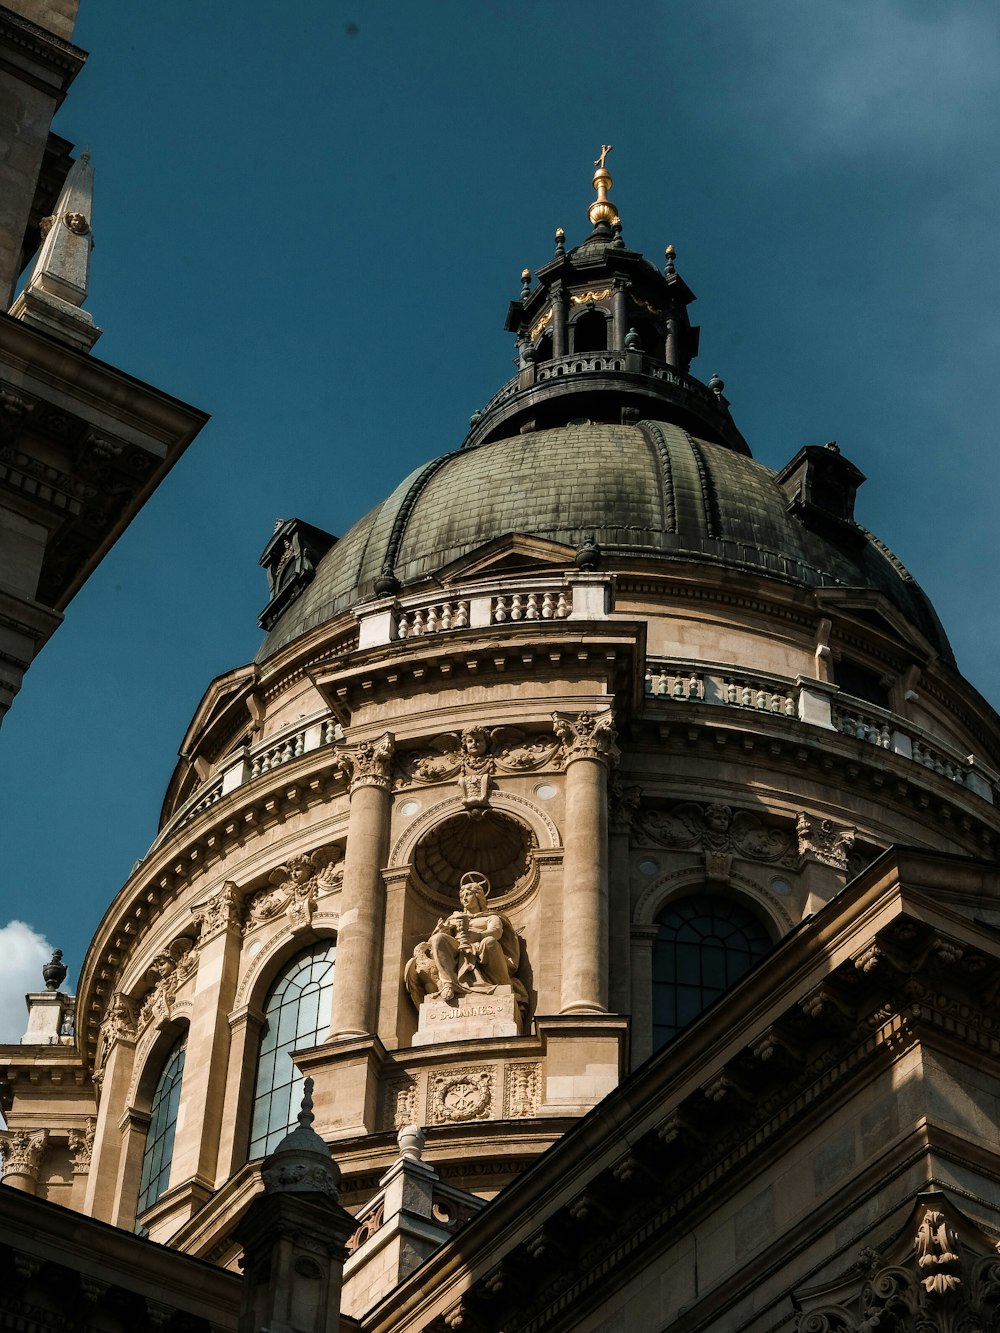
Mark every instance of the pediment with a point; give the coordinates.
(511, 553)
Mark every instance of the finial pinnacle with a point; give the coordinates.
(305, 1116)
(602, 209)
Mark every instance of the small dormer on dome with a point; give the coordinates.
(603, 335)
(290, 559)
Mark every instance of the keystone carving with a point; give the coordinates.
(168, 971)
(297, 886)
(587, 736)
(473, 756)
(22, 1152)
(717, 829)
(824, 841)
(368, 764)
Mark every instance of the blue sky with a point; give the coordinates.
(309, 219)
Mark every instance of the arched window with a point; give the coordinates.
(590, 332)
(296, 1016)
(159, 1148)
(704, 945)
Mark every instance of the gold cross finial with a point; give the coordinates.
(605, 150)
(602, 209)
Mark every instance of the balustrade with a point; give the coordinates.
(432, 619)
(513, 607)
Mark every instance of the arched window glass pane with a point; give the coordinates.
(704, 945)
(159, 1149)
(296, 1016)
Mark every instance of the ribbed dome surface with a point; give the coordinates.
(645, 490)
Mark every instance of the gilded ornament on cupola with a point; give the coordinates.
(602, 209)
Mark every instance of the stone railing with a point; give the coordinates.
(500, 601)
(814, 703)
(550, 605)
(432, 619)
(732, 688)
(252, 763)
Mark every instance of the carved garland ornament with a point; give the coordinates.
(474, 756)
(220, 912)
(463, 1096)
(718, 829)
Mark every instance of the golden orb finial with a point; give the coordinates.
(602, 209)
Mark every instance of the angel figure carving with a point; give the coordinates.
(472, 951)
(297, 886)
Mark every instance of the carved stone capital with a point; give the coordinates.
(587, 736)
(119, 1024)
(81, 1145)
(369, 764)
(824, 841)
(623, 804)
(22, 1152)
(223, 911)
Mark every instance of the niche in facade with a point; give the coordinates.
(492, 843)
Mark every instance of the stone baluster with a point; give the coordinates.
(589, 751)
(359, 940)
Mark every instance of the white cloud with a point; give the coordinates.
(24, 953)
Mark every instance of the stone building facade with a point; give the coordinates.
(606, 832)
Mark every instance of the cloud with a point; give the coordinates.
(24, 953)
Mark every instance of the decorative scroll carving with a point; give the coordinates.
(370, 1223)
(474, 756)
(473, 951)
(587, 736)
(368, 764)
(171, 969)
(718, 829)
(81, 1145)
(939, 1288)
(824, 841)
(22, 1152)
(297, 885)
(466, 1095)
(220, 912)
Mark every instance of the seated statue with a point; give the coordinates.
(472, 951)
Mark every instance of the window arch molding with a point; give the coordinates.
(268, 963)
(683, 883)
(292, 1014)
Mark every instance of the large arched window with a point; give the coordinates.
(704, 945)
(296, 1016)
(159, 1148)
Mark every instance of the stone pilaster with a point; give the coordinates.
(113, 1075)
(359, 939)
(589, 750)
(206, 1061)
(643, 938)
(624, 802)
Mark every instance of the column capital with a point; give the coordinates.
(587, 736)
(22, 1152)
(223, 911)
(369, 764)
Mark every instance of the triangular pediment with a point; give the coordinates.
(507, 554)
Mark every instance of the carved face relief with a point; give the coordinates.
(77, 223)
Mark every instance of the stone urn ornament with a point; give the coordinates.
(54, 971)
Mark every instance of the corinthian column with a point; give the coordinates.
(362, 899)
(22, 1158)
(589, 750)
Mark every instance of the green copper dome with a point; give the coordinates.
(648, 490)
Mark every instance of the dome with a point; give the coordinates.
(649, 490)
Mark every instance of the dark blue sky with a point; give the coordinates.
(309, 220)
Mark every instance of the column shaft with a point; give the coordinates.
(585, 888)
(359, 939)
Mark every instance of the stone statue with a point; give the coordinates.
(472, 951)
